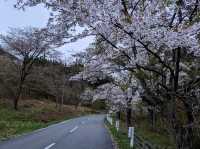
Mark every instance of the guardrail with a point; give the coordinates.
(135, 140)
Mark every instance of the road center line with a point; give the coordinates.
(49, 146)
(74, 129)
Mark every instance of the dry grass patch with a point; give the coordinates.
(32, 115)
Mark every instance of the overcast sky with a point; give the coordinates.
(36, 17)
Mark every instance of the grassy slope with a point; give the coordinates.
(144, 131)
(32, 115)
(160, 139)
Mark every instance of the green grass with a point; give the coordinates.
(144, 131)
(32, 115)
(120, 137)
(160, 139)
(9, 128)
(17, 122)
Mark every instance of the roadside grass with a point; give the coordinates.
(145, 132)
(161, 139)
(32, 115)
(120, 137)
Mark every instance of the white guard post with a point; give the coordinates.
(117, 125)
(109, 119)
(111, 122)
(129, 132)
(132, 137)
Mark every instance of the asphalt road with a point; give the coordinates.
(86, 132)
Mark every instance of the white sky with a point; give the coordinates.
(36, 17)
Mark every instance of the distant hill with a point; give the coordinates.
(7, 54)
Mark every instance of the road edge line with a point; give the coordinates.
(49, 146)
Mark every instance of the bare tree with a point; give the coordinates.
(27, 44)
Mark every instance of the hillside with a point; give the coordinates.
(33, 114)
(7, 54)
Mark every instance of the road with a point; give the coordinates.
(86, 132)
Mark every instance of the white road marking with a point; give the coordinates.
(83, 122)
(49, 146)
(74, 129)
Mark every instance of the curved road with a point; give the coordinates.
(86, 132)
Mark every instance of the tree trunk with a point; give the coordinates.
(17, 96)
(61, 104)
(23, 75)
(189, 134)
(183, 136)
(63, 94)
(174, 81)
(56, 100)
(128, 117)
(152, 114)
(16, 103)
(154, 119)
(118, 115)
